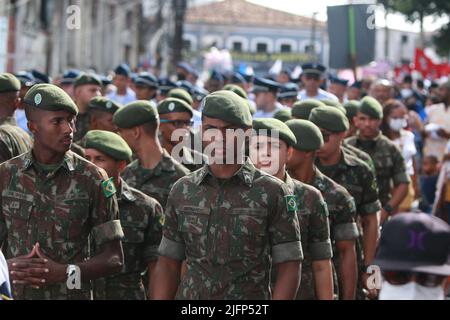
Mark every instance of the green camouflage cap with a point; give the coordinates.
(104, 104)
(283, 115)
(181, 94)
(352, 108)
(49, 97)
(236, 89)
(135, 114)
(227, 106)
(170, 105)
(329, 118)
(9, 83)
(308, 135)
(336, 104)
(371, 107)
(87, 78)
(302, 109)
(109, 143)
(267, 126)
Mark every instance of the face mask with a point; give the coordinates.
(397, 124)
(406, 93)
(410, 291)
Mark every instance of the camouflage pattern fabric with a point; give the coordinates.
(14, 141)
(156, 182)
(359, 154)
(229, 232)
(60, 209)
(389, 163)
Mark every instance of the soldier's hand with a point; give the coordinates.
(371, 293)
(52, 273)
(24, 269)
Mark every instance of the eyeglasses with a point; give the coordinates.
(178, 123)
(422, 278)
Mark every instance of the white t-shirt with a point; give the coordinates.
(262, 114)
(434, 145)
(130, 96)
(321, 95)
(408, 148)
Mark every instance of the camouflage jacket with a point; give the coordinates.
(155, 182)
(359, 154)
(13, 140)
(60, 210)
(389, 163)
(228, 231)
(82, 126)
(315, 232)
(141, 217)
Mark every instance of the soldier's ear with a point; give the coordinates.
(121, 165)
(32, 126)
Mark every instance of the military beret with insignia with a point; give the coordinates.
(109, 143)
(49, 97)
(181, 94)
(302, 109)
(86, 79)
(268, 126)
(236, 89)
(308, 135)
(170, 105)
(135, 114)
(283, 115)
(227, 106)
(352, 108)
(329, 118)
(9, 83)
(371, 107)
(104, 104)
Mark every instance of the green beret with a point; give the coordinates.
(371, 107)
(251, 107)
(9, 83)
(283, 115)
(109, 143)
(87, 78)
(267, 126)
(170, 105)
(181, 94)
(135, 114)
(227, 106)
(104, 104)
(352, 108)
(236, 89)
(309, 137)
(329, 118)
(302, 109)
(49, 97)
(336, 104)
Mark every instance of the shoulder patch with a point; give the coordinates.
(162, 220)
(108, 187)
(291, 203)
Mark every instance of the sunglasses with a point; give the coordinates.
(404, 277)
(178, 123)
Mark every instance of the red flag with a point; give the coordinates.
(423, 64)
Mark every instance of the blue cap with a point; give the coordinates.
(185, 66)
(265, 85)
(165, 85)
(238, 78)
(146, 79)
(315, 68)
(288, 90)
(357, 85)
(123, 70)
(216, 75)
(69, 76)
(186, 85)
(199, 93)
(40, 77)
(26, 78)
(336, 80)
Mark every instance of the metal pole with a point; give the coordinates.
(352, 38)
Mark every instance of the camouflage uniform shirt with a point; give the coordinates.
(13, 140)
(59, 209)
(228, 231)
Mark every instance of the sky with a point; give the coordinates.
(308, 7)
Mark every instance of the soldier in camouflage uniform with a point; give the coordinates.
(140, 217)
(176, 115)
(86, 86)
(154, 171)
(341, 205)
(390, 166)
(269, 147)
(52, 201)
(228, 221)
(355, 176)
(13, 140)
(101, 111)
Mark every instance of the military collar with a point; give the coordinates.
(125, 192)
(246, 173)
(68, 161)
(289, 181)
(318, 180)
(165, 165)
(347, 159)
(8, 120)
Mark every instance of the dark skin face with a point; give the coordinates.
(168, 128)
(102, 121)
(112, 166)
(367, 126)
(53, 134)
(144, 92)
(332, 144)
